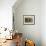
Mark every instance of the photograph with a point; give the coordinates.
(29, 19)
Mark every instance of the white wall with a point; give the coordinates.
(6, 13)
(29, 7)
(43, 22)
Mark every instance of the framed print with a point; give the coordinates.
(28, 19)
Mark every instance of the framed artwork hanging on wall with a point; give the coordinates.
(28, 19)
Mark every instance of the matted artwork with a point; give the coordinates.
(28, 19)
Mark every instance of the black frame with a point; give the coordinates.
(31, 16)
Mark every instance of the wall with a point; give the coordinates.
(43, 22)
(6, 13)
(28, 7)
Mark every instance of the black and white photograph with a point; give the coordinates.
(29, 19)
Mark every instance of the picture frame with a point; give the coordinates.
(28, 19)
